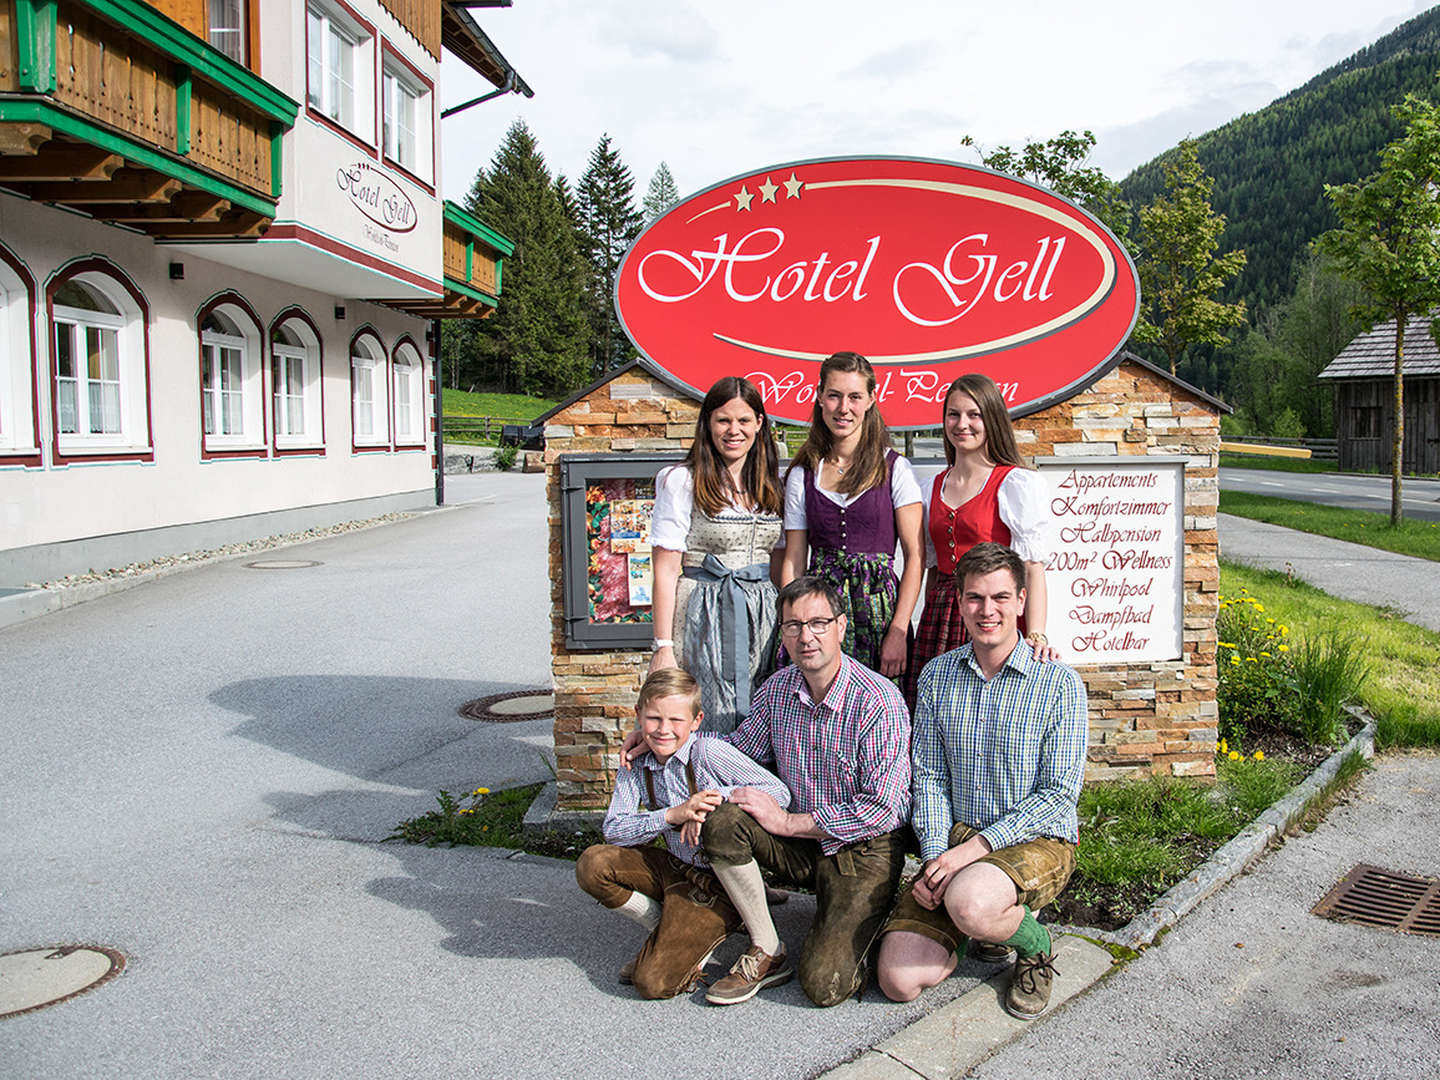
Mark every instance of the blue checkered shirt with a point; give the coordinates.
(846, 758)
(1004, 755)
(718, 767)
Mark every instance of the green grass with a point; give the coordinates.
(1402, 683)
(1418, 538)
(491, 819)
(1230, 460)
(507, 406)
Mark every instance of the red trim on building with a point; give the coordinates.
(370, 448)
(295, 311)
(97, 264)
(220, 299)
(307, 235)
(32, 457)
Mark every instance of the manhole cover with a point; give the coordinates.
(1378, 897)
(34, 978)
(508, 708)
(281, 564)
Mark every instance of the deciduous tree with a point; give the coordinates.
(1180, 270)
(1389, 242)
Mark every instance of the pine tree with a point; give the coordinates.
(609, 223)
(535, 342)
(661, 194)
(1180, 272)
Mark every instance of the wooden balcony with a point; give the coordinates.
(113, 109)
(474, 259)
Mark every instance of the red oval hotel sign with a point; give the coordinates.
(928, 268)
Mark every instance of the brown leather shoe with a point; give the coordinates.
(755, 970)
(1029, 993)
(627, 972)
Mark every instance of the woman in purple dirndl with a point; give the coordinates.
(848, 499)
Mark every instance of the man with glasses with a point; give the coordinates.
(838, 735)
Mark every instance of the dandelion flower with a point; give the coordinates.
(1225, 645)
(1234, 755)
(481, 791)
(1284, 648)
(1267, 655)
(1235, 660)
(1224, 746)
(1259, 755)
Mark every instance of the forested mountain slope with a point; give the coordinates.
(1270, 166)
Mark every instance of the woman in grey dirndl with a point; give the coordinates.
(716, 533)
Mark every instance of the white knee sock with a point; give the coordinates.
(746, 889)
(642, 909)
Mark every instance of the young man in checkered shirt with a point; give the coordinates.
(999, 758)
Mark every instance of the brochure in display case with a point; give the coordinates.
(606, 504)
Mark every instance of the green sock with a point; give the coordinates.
(1029, 937)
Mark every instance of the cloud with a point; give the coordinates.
(660, 30)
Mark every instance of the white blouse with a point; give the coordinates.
(904, 490)
(1024, 508)
(674, 506)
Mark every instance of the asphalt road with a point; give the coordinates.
(1420, 498)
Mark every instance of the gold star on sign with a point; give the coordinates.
(742, 198)
(767, 190)
(792, 187)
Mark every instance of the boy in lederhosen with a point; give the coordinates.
(669, 792)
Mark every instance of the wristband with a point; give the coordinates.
(661, 643)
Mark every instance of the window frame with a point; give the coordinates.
(253, 439)
(395, 67)
(135, 441)
(241, 31)
(416, 385)
(313, 441)
(337, 17)
(367, 348)
(19, 377)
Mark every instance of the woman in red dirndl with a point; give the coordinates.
(985, 493)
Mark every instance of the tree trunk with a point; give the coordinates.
(1397, 511)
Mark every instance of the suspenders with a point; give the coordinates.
(653, 802)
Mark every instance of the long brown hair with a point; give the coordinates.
(999, 432)
(761, 472)
(867, 468)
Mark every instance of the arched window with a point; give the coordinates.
(18, 421)
(99, 364)
(369, 391)
(409, 379)
(295, 379)
(232, 401)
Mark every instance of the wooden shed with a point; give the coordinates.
(1364, 379)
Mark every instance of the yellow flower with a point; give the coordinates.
(467, 810)
(1284, 648)
(1251, 660)
(481, 791)
(1235, 660)
(1266, 654)
(1259, 755)
(1259, 606)
(1270, 620)
(1284, 630)
(1225, 645)
(1224, 746)
(1234, 755)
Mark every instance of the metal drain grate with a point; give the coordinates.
(509, 708)
(1377, 897)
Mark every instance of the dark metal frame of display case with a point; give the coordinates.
(576, 473)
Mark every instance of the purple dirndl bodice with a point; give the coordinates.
(865, 527)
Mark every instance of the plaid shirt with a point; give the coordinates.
(1004, 755)
(847, 759)
(718, 767)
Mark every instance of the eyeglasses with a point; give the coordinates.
(816, 626)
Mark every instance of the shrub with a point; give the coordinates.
(1257, 689)
(505, 458)
(1329, 671)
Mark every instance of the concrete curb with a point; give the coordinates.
(32, 603)
(1243, 849)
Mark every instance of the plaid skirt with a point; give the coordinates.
(941, 629)
(868, 588)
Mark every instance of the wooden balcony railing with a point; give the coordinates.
(119, 77)
(473, 258)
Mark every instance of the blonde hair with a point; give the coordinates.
(669, 682)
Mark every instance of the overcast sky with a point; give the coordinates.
(716, 90)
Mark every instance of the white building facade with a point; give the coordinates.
(222, 254)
